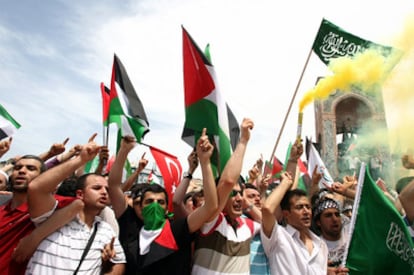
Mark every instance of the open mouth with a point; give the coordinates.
(237, 207)
(103, 200)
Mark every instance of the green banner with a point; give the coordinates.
(332, 42)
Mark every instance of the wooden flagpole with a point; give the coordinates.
(290, 105)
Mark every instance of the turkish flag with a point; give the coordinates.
(170, 169)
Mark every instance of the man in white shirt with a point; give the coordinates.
(293, 249)
(61, 252)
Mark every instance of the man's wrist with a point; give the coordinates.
(249, 208)
(187, 175)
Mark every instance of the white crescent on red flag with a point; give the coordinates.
(170, 169)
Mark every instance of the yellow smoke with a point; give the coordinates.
(367, 70)
(371, 72)
(398, 93)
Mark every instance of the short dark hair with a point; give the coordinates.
(136, 190)
(250, 186)
(403, 182)
(196, 195)
(68, 187)
(188, 196)
(42, 163)
(81, 182)
(154, 188)
(285, 203)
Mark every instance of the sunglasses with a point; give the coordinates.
(235, 192)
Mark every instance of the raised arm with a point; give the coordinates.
(64, 156)
(314, 187)
(54, 150)
(292, 166)
(27, 245)
(202, 214)
(42, 188)
(103, 159)
(406, 198)
(119, 204)
(179, 209)
(5, 146)
(346, 188)
(273, 202)
(255, 173)
(232, 170)
(133, 177)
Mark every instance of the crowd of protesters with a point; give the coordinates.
(57, 219)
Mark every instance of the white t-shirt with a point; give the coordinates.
(287, 254)
(61, 251)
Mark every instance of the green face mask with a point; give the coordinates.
(154, 216)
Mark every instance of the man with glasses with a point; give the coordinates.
(293, 249)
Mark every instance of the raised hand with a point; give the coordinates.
(5, 146)
(408, 161)
(104, 153)
(286, 178)
(128, 143)
(142, 162)
(108, 252)
(89, 150)
(192, 161)
(296, 151)
(246, 126)
(204, 147)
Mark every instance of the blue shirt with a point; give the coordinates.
(259, 264)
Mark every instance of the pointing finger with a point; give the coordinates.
(92, 137)
(65, 141)
(112, 243)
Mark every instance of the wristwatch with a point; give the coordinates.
(187, 175)
(249, 208)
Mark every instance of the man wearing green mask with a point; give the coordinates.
(156, 244)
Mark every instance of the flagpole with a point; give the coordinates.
(355, 207)
(291, 103)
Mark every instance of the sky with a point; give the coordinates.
(55, 54)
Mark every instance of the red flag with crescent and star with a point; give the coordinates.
(170, 169)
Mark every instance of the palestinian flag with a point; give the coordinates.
(125, 108)
(300, 170)
(105, 93)
(8, 125)
(156, 244)
(91, 165)
(303, 173)
(205, 106)
(274, 169)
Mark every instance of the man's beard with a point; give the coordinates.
(22, 188)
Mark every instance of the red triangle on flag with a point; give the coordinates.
(166, 237)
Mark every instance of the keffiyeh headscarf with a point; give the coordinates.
(323, 204)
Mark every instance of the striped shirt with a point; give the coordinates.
(61, 251)
(259, 265)
(219, 249)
